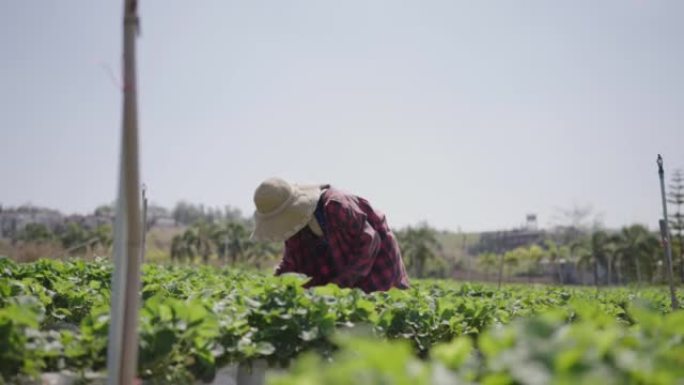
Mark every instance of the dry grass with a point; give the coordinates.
(5, 248)
(33, 251)
(157, 250)
(158, 243)
(160, 238)
(29, 252)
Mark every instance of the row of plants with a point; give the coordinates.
(540, 350)
(54, 316)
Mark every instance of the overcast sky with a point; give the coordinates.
(465, 114)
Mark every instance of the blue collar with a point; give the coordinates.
(320, 216)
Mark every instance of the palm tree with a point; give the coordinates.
(557, 255)
(535, 254)
(637, 249)
(487, 261)
(194, 241)
(236, 241)
(513, 258)
(259, 252)
(180, 249)
(594, 251)
(220, 239)
(581, 249)
(612, 258)
(239, 242)
(418, 245)
(202, 237)
(232, 241)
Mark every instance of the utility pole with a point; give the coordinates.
(122, 349)
(665, 234)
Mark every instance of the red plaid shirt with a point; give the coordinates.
(357, 249)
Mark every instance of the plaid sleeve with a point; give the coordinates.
(288, 263)
(354, 243)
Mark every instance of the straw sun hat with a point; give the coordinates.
(282, 209)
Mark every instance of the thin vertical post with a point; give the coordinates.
(500, 249)
(122, 350)
(466, 258)
(144, 224)
(665, 233)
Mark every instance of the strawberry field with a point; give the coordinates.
(196, 320)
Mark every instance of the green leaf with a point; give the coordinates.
(454, 354)
(265, 348)
(309, 335)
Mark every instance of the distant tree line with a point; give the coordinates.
(633, 254)
(188, 214)
(206, 234)
(228, 241)
(28, 232)
(74, 238)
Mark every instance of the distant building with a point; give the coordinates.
(90, 221)
(15, 219)
(506, 240)
(161, 222)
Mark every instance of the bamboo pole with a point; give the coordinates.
(122, 351)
